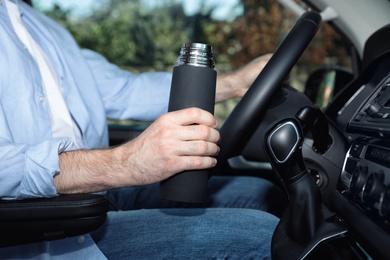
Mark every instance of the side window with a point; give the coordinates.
(145, 35)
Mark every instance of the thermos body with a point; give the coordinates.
(193, 85)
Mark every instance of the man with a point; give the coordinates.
(55, 99)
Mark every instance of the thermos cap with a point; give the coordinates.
(196, 54)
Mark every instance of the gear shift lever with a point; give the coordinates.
(297, 227)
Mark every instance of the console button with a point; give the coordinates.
(358, 117)
(373, 110)
(373, 188)
(356, 149)
(359, 177)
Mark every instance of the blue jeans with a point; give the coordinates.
(232, 224)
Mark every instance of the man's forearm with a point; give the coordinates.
(177, 141)
(227, 87)
(236, 83)
(85, 171)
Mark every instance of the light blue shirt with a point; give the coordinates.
(93, 90)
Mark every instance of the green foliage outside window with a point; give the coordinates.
(142, 37)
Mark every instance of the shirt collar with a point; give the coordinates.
(17, 2)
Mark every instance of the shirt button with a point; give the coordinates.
(80, 239)
(41, 98)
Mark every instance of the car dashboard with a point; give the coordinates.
(362, 196)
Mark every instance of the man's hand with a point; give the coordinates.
(177, 141)
(235, 84)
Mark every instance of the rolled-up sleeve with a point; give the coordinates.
(27, 170)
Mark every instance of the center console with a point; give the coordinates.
(363, 191)
(365, 179)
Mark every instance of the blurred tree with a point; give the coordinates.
(129, 33)
(259, 30)
(140, 36)
(262, 27)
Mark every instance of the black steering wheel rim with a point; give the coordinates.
(247, 115)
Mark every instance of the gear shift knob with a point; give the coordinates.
(283, 146)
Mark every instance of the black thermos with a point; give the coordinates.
(193, 85)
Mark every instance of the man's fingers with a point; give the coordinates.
(193, 115)
(196, 162)
(199, 148)
(199, 132)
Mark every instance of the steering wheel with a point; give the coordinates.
(247, 115)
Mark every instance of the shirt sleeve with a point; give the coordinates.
(126, 95)
(26, 171)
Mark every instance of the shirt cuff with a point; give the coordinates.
(41, 166)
